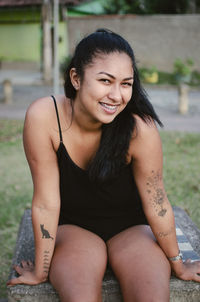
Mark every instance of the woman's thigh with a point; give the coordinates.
(140, 265)
(78, 264)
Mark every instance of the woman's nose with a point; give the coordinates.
(115, 93)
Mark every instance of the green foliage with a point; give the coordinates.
(145, 6)
(183, 70)
(64, 64)
(195, 79)
(182, 73)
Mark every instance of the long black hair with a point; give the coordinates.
(112, 153)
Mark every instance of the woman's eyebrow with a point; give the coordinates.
(111, 76)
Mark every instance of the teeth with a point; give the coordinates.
(111, 107)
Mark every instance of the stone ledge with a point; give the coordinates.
(180, 291)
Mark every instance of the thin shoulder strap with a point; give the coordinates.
(60, 132)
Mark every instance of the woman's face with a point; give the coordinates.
(106, 87)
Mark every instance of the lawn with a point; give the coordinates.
(181, 175)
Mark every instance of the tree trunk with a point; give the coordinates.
(183, 98)
(47, 41)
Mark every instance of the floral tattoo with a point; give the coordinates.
(156, 192)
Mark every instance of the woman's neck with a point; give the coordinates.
(84, 122)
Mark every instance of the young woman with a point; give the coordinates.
(96, 160)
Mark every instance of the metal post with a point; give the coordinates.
(56, 61)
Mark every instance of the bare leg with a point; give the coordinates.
(78, 265)
(140, 265)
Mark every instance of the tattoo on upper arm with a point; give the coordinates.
(45, 233)
(156, 192)
(46, 262)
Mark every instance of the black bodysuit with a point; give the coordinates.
(103, 208)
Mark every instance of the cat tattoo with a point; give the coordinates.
(45, 233)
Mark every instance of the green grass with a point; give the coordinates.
(181, 175)
(15, 192)
(181, 171)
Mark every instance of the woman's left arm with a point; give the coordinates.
(146, 151)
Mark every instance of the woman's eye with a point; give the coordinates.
(127, 84)
(105, 81)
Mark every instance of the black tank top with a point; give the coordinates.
(103, 208)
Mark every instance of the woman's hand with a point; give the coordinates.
(190, 271)
(27, 275)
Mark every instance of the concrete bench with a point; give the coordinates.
(180, 291)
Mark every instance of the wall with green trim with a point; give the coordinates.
(21, 36)
(20, 42)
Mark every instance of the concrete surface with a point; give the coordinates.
(180, 291)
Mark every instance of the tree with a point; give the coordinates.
(150, 6)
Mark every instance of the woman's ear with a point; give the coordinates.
(75, 80)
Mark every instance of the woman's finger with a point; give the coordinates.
(196, 278)
(30, 263)
(24, 264)
(14, 281)
(18, 269)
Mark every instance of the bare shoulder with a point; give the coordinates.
(145, 139)
(144, 127)
(41, 121)
(40, 109)
(41, 113)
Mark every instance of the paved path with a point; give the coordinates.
(27, 86)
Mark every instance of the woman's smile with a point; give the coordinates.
(106, 88)
(108, 108)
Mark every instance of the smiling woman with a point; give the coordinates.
(105, 89)
(96, 161)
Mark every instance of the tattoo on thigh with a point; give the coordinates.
(156, 192)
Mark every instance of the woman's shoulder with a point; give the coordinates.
(43, 109)
(144, 126)
(40, 107)
(145, 135)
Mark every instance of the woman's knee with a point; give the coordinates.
(72, 288)
(140, 265)
(78, 265)
(79, 295)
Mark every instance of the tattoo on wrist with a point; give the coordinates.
(156, 192)
(164, 234)
(45, 233)
(46, 263)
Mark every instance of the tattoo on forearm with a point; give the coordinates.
(45, 233)
(157, 194)
(164, 234)
(46, 262)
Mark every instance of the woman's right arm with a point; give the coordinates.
(42, 160)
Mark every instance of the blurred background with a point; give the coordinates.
(37, 38)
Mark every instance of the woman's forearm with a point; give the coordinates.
(160, 215)
(45, 222)
(164, 230)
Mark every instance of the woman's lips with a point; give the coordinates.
(109, 108)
